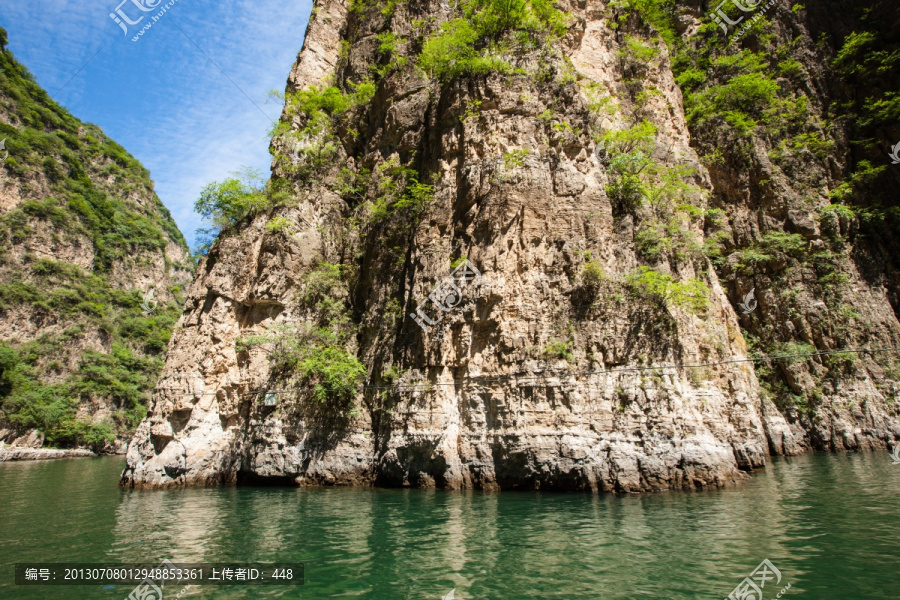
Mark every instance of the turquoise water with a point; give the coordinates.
(830, 524)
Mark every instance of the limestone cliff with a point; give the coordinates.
(91, 267)
(490, 227)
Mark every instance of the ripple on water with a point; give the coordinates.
(830, 524)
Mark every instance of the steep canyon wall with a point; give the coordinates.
(627, 187)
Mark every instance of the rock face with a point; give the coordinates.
(593, 344)
(91, 269)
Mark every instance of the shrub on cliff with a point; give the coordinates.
(224, 203)
(318, 357)
(452, 53)
(333, 372)
(592, 274)
(648, 283)
(472, 44)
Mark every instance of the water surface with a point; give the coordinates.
(830, 524)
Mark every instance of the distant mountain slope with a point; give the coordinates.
(86, 249)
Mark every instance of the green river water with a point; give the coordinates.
(829, 524)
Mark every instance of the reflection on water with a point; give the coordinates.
(830, 524)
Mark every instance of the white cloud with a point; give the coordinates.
(161, 97)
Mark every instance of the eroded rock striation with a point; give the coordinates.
(493, 229)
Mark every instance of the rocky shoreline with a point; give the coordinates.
(15, 454)
(30, 447)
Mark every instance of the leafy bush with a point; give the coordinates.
(313, 148)
(592, 274)
(452, 53)
(630, 150)
(558, 349)
(635, 178)
(771, 244)
(792, 244)
(324, 289)
(333, 372)
(515, 158)
(692, 295)
(320, 357)
(279, 225)
(651, 241)
(472, 45)
(400, 195)
(224, 203)
(321, 105)
(636, 51)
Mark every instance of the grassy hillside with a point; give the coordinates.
(82, 233)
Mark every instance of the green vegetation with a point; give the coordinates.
(661, 198)
(803, 404)
(558, 349)
(333, 372)
(869, 59)
(388, 7)
(223, 203)
(692, 295)
(763, 92)
(319, 104)
(318, 356)
(401, 198)
(866, 56)
(473, 110)
(80, 189)
(388, 46)
(515, 158)
(489, 30)
(311, 150)
(323, 290)
(772, 245)
(75, 157)
(457, 262)
(592, 274)
(721, 84)
(747, 95)
(637, 51)
(452, 53)
(637, 180)
(630, 150)
(279, 225)
(125, 376)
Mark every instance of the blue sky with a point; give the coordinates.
(161, 97)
